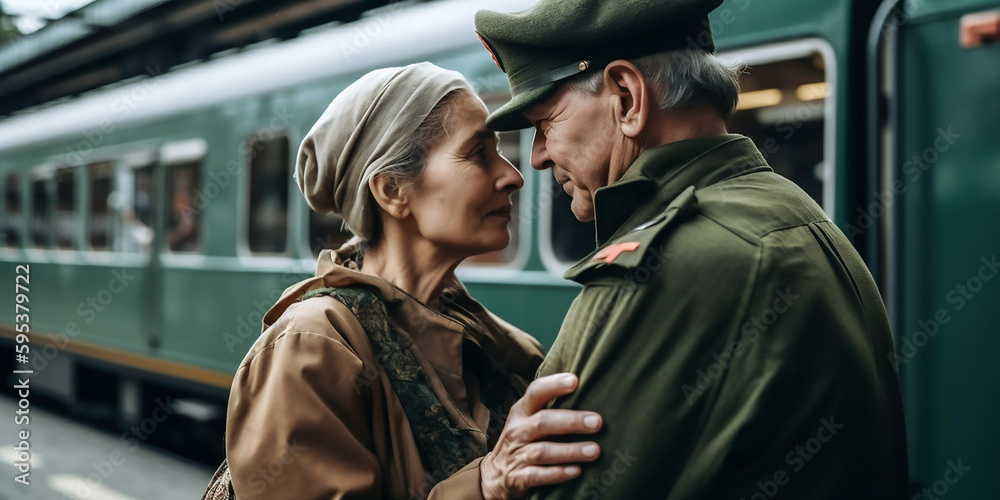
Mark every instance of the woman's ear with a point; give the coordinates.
(630, 96)
(388, 194)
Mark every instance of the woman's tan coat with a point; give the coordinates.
(312, 417)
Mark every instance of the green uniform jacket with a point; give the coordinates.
(732, 338)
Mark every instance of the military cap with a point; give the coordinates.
(559, 39)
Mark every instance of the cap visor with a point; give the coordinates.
(510, 116)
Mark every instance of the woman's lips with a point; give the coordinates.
(503, 212)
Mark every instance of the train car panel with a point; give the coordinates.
(948, 181)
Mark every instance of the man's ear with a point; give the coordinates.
(630, 96)
(388, 194)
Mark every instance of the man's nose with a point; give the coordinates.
(539, 154)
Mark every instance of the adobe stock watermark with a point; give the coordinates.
(88, 310)
(264, 476)
(797, 459)
(959, 296)
(749, 334)
(219, 180)
(248, 326)
(418, 324)
(940, 487)
(367, 30)
(126, 100)
(913, 169)
(599, 484)
(899, 15)
(104, 469)
(716, 25)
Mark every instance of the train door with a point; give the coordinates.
(947, 176)
(138, 233)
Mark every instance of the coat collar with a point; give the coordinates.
(438, 332)
(661, 173)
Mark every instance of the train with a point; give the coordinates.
(152, 222)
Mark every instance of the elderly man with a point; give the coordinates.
(727, 331)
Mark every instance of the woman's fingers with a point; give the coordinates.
(549, 453)
(523, 479)
(546, 423)
(543, 390)
(522, 459)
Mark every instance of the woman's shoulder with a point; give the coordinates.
(321, 318)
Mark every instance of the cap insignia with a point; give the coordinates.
(492, 52)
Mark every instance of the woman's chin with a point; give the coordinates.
(492, 244)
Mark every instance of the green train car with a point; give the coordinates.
(157, 218)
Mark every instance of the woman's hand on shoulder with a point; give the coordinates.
(522, 458)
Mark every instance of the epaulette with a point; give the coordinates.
(630, 250)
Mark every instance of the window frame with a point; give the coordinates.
(761, 54)
(774, 53)
(19, 225)
(75, 213)
(122, 160)
(243, 250)
(45, 172)
(88, 219)
(173, 154)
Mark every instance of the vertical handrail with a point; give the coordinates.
(879, 112)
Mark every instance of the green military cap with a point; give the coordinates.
(558, 39)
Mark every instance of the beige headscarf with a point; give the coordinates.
(364, 132)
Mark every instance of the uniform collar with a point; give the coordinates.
(661, 173)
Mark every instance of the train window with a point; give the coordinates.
(138, 222)
(267, 223)
(12, 211)
(572, 240)
(184, 217)
(99, 224)
(782, 109)
(41, 216)
(326, 231)
(65, 215)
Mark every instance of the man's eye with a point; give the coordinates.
(478, 154)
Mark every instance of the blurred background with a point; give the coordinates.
(146, 150)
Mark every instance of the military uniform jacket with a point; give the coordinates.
(731, 337)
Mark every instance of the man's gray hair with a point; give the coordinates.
(681, 79)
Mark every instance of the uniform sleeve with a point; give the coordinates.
(639, 345)
(297, 424)
(737, 371)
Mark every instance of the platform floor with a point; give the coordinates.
(72, 461)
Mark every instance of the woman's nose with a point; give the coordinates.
(510, 179)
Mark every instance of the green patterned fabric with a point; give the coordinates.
(443, 447)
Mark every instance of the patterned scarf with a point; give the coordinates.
(443, 448)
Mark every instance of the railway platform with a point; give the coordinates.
(69, 460)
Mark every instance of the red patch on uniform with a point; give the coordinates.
(609, 254)
(493, 53)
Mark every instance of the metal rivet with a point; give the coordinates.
(584, 65)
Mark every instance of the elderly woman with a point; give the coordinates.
(381, 377)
